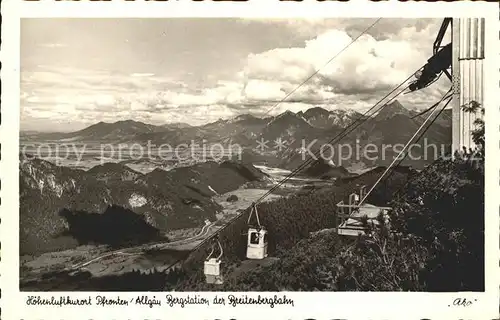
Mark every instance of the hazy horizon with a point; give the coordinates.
(144, 70)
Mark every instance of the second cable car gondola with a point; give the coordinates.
(257, 242)
(212, 267)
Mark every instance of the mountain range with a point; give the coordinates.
(242, 127)
(393, 124)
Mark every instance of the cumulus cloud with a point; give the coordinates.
(367, 66)
(383, 29)
(356, 78)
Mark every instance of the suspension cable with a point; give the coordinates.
(363, 118)
(429, 109)
(418, 139)
(421, 135)
(402, 151)
(425, 131)
(339, 136)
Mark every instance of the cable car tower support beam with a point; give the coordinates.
(468, 56)
(439, 39)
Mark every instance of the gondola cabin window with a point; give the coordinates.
(254, 238)
(257, 243)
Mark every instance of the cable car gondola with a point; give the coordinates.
(212, 268)
(257, 238)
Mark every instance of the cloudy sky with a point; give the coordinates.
(76, 72)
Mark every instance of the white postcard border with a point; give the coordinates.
(317, 305)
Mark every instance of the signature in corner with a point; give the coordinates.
(462, 302)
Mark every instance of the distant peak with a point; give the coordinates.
(178, 125)
(395, 105)
(243, 117)
(315, 109)
(392, 109)
(287, 113)
(127, 122)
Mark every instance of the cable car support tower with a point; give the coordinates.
(462, 62)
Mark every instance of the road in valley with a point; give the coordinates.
(134, 251)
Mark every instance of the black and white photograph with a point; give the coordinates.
(252, 154)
